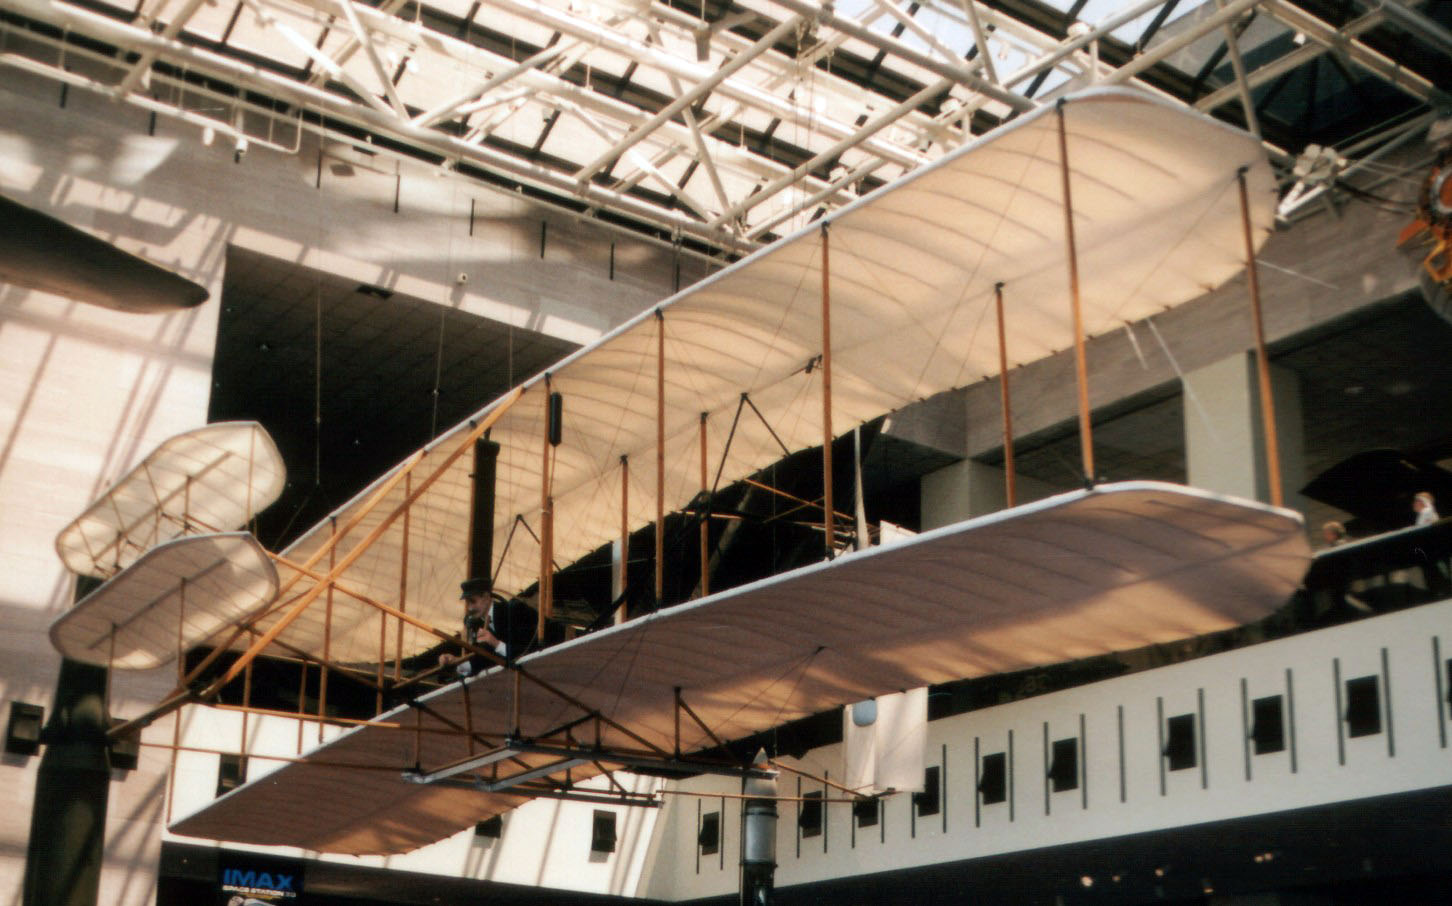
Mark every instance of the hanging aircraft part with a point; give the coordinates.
(38, 251)
(210, 479)
(177, 595)
(1073, 576)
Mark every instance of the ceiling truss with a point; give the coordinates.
(721, 128)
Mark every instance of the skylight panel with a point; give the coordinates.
(429, 80)
(605, 61)
(572, 140)
(519, 123)
(251, 36)
(210, 22)
(528, 35)
(652, 79)
(457, 8)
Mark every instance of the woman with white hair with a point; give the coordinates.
(1426, 511)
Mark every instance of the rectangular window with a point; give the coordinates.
(810, 820)
(1064, 765)
(602, 833)
(993, 783)
(865, 811)
(929, 800)
(1363, 706)
(231, 772)
(709, 838)
(1180, 742)
(1268, 725)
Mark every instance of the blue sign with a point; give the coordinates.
(248, 880)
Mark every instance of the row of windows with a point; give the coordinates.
(1363, 708)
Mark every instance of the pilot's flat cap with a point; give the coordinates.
(473, 587)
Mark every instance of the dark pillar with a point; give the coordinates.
(68, 819)
(481, 517)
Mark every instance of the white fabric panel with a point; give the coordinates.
(211, 479)
(912, 270)
(859, 746)
(1082, 574)
(902, 741)
(888, 754)
(175, 596)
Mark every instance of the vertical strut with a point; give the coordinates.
(327, 636)
(827, 512)
(659, 458)
(546, 520)
(1262, 363)
(704, 516)
(1008, 477)
(402, 588)
(624, 537)
(1081, 370)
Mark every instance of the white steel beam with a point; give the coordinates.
(701, 88)
(143, 65)
(883, 120)
(112, 31)
(957, 72)
(365, 40)
(1360, 54)
(750, 94)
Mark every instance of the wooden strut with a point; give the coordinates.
(327, 640)
(302, 697)
(362, 546)
(546, 520)
(620, 612)
(156, 512)
(492, 656)
(681, 705)
(183, 695)
(800, 502)
(337, 721)
(659, 458)
(1081, 369)
(705, 524)
(402, 595)
(1006, 405)
(858, 797)
(666, 791)
(1262, 361)
(828, 535)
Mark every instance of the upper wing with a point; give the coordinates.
(912, 271)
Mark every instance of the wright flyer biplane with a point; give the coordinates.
(1068, 222)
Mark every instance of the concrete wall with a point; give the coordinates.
(86, 392)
